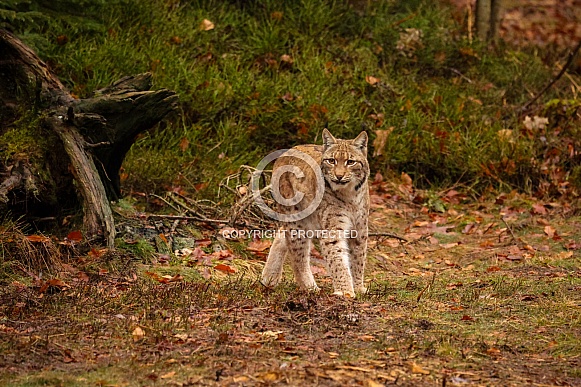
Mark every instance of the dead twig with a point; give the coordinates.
(429, 285)
(509, 229)
(182, 217)
(387, 234)
(464, 77)
(570, 58)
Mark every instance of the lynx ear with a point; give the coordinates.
(328, 138)
(361, 142)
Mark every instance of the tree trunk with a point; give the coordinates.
(488, 16)
(57, 152)
(495, 16)
(483, 11)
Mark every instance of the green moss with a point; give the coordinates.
(141, 249)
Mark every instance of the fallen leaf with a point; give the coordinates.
(449, 245)
(206, 25)
(565, 254)
(168, 375)
(277, 15)
(493, 351)
(203, 242)
(454, 286)
(371, 80)
(164, 279)
(417, 369)
(466, 318)
(54, 283)
(225, 268)
(380, 141)
(38, 238)
(138, 334)
(259, 245)
(75, 236)
(269, 376)
(223, 255)
(538, 209)
(181, 336)
(184, 144)
(550, 231)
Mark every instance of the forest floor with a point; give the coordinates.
(486, 291)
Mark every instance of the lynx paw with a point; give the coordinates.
(347, 294)
(362, 290)
(270, 281)
(314, 288)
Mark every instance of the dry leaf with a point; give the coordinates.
(181, 336)
(276, 15)
(406, 180)
(416, 369)
(184, 144)
(38, 238)
(225, 268)
(75, 236)
(539, 209)
(138, 334)
(493, 351)
(269, 376)
(381, 137)
(550, 231)
(286, 58)
(371, 80)
(367, 338)
(259, 245)
(168, 375)
(206, 25)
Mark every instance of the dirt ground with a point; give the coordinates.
(485, 291)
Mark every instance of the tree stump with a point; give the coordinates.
(57, 152)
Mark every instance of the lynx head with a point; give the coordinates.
(344, 162)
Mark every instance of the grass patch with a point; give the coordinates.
(270, 75)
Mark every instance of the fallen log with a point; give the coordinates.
(59, 153)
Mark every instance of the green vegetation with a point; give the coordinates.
(260, 76)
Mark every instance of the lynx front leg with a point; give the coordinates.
(272, 272)
(299, 257)
(336, 251)
(358, 247)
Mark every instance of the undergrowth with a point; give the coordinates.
(258, 76)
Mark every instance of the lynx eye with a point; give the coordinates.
(331, 161)
(350, 163)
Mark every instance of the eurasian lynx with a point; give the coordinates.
(339, 222)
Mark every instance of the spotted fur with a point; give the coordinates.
(344, 209)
